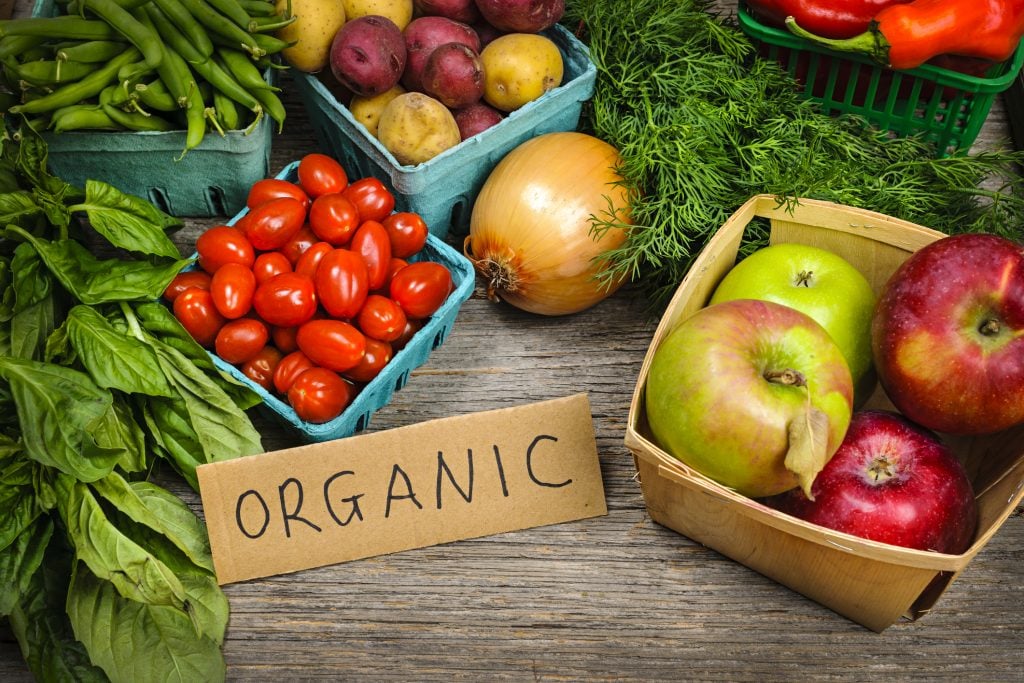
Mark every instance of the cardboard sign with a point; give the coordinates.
(411, 487)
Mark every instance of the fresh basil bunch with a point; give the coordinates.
(104, 574)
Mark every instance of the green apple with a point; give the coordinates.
(752, 394)
(819, 283)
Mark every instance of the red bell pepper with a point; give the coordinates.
(827, 18)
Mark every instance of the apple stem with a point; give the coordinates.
(881, 469)
(787, 377)
(803, 279)
(990, 327)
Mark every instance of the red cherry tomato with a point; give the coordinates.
(342, 283)
(285, 300)
(420, 288)
(334, 218)
(260, 368)
(320, 174)
(377, 355)
(332, 344)
(195, 310)
(310, 259)
(232, 287)
(371, 242)
(319, 395)
(240, 340)
(223, 244)
(381, 318)
(407, 233)
(284, 338)
(372, 199)
(182, 281)
(271, 224)
(268, 264)
(302, 240)
(263, 191)
(411, 328)
(291, 366)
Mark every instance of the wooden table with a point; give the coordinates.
(614, 597)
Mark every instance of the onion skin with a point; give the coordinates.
(531, 232)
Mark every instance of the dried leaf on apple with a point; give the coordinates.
(808, 447)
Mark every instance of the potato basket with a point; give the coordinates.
(871, 583)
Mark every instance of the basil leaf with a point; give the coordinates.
(18, 510)
(127, 221)
(7, 294)
(34, 304)
(174, 438)
(57, 409)
(154, 643)
(111, 555)
(118, 435)
(93, 281)
(31, 161)
(20, 560)
(114, 360)
(18, 208)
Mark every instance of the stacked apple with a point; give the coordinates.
(756, 390)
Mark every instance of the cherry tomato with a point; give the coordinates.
(420, 288)
(224, 244)
(334, 218)
(411, 328)
(284, 338)
(407, 233)
(377, 355)
(320, 174)
(295, 247)
(310, 259)
(332, 344)
(371, 242)
(184, 280)
(268, 264)
(291, 366)
(232, 287)
(285, 300)
(195, 310)
(260, 368)
(271, 224)
(381, 318)
(319, 395)
(264, 190)
(240, 340)
(342, 283)
(372, 199)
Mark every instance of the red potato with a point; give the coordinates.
(368, 55)
(521, 16)
(423, 35)
(458, 10)
(476, 118)
(454, 75)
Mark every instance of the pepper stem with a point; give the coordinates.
(871, 42)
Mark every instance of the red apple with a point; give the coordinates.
(948, 335)
(894, 482)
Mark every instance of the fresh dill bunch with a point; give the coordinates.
(702, 123)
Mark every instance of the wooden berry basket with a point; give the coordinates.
(874, 584)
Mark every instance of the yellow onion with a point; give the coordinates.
(532, 234)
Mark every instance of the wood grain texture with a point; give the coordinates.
(611, 598)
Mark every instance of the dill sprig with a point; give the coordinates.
(702, 123)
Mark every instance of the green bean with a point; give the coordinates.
(271, 45)
(81, 117)
(223, 27)
(258, 8)
(269, 24)
(173, 70)
(88, 87)
(232, 10)
(183, 20)
(63, 27)
(12, 46)
(244, 70)
(156, 96)
(91, 51)
(137, 121)
(195, 120)
(137, 33)
(35, 54)
(226, 111)
(52, 72)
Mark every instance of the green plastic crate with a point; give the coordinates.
(943, 106)
(212, 179)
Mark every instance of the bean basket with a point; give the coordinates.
(442, 189)
(874, 584)
(377, 393)
(943, 106)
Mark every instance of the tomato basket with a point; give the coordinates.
(945, 107)
(874, 584)
(378, 392)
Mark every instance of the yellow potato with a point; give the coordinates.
(416, 128)
(367, 110)
(519, 68)
(398, 11)
(314, 27)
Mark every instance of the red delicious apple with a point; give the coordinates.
(948, 335)
(894, 482)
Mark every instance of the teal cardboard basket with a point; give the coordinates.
(212, 179)
(378, 392)
(442, 190)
